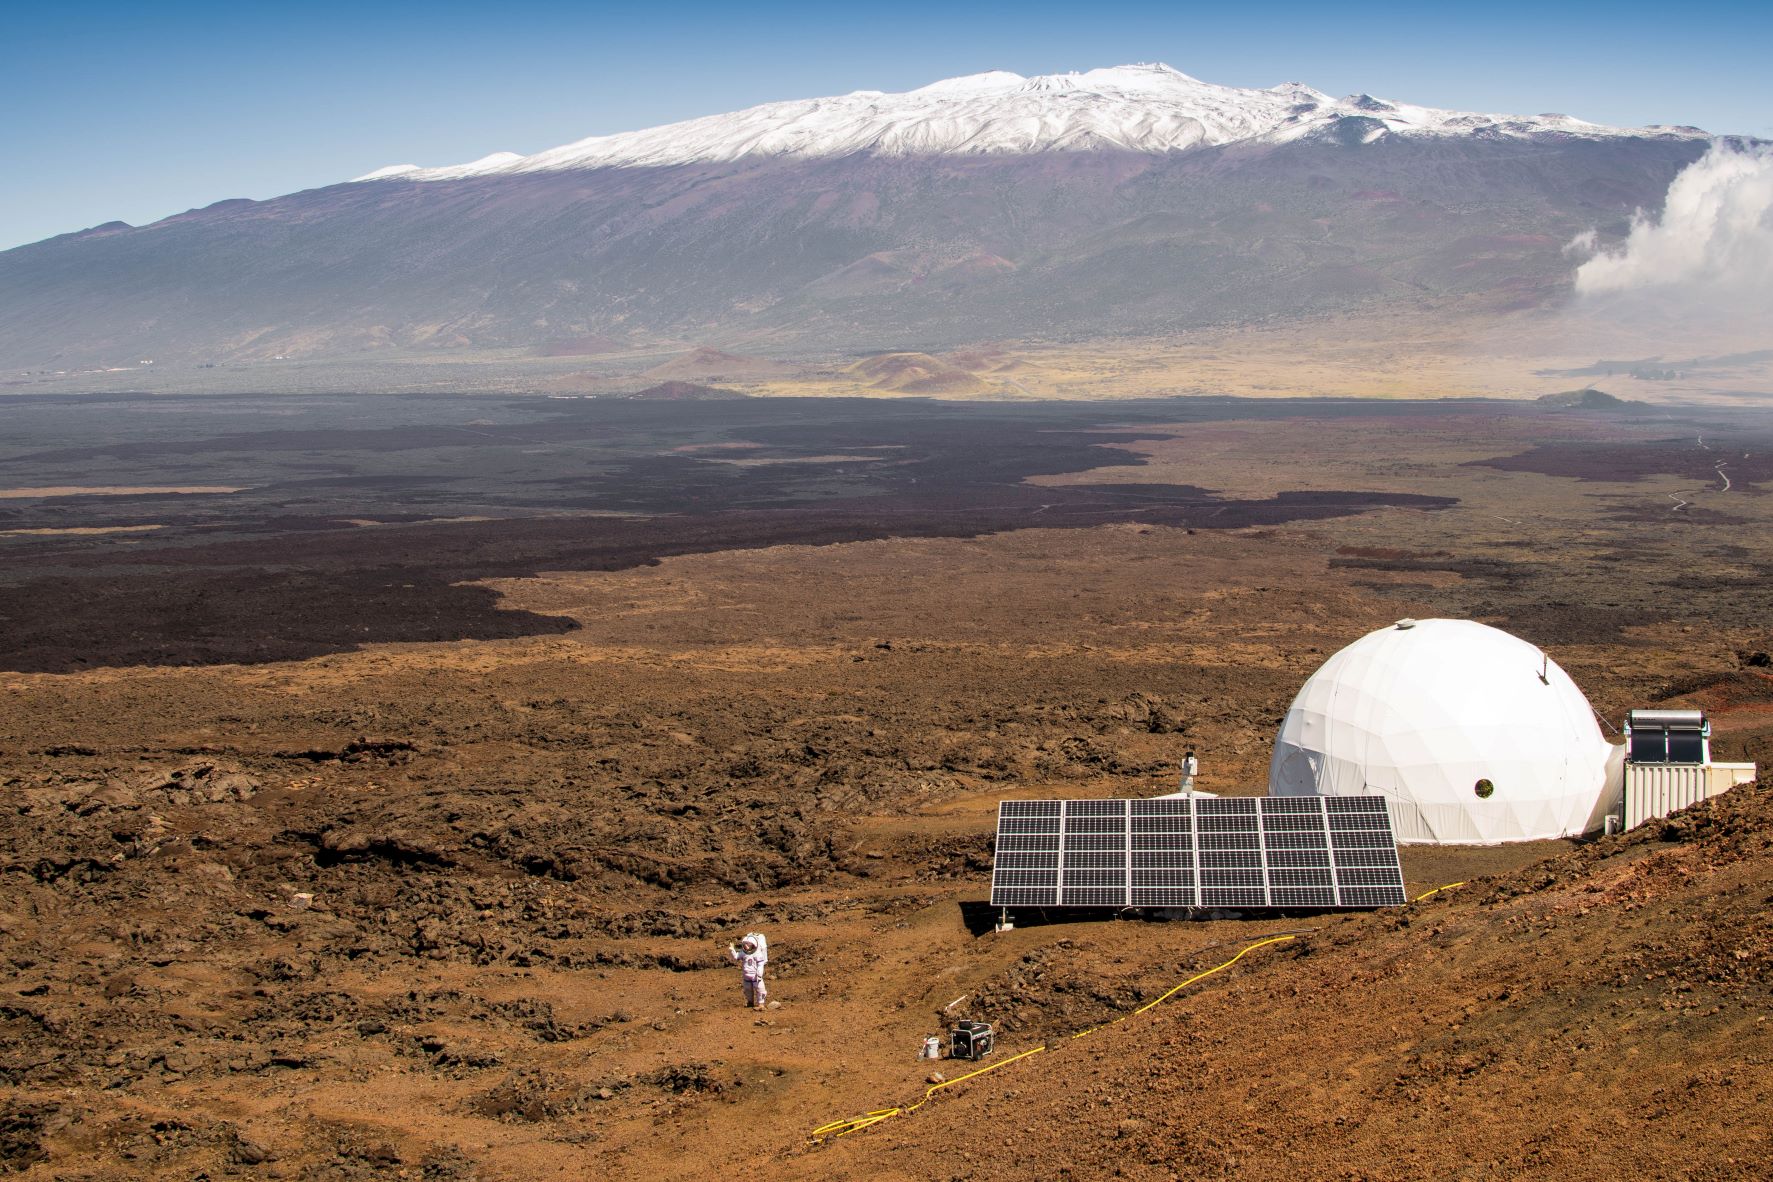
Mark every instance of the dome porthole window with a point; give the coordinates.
(1484, 789)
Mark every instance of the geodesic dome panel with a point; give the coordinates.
(1472, 736)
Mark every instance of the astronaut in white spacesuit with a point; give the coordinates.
(751, 956)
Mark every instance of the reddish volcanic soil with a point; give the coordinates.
(444, 908)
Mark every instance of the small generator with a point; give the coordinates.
(970, 1040)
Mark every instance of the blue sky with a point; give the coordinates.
(134, 112)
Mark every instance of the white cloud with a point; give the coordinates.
(1712, 246)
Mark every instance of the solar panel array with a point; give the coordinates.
(1199, 851)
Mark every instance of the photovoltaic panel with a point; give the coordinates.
(1235, 852)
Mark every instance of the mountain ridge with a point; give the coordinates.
(810, 256)
(1144, 107)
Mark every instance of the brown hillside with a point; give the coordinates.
(916, 373)
(1602, 1014)
(684, 392)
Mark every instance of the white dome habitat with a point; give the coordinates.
(1473, 736)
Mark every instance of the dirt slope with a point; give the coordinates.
(1602, 1014)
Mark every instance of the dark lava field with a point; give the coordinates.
(332, 522)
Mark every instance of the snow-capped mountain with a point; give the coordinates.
(1138, 108)
(1121, 201)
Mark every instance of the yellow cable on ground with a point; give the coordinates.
(1167, 994)
(855, 1124)
(934, 1088)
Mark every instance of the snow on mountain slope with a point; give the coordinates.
(1139, 108)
